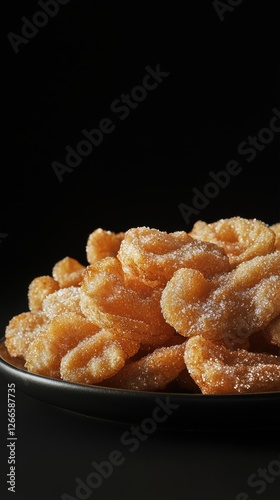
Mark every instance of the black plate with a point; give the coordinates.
(150, 409)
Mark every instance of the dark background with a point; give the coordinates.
(222, 85)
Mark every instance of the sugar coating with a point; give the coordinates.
(102, 243)
(217, 370)
(151, 372)
(62, 301)
(97, 358)
(242, 239)
(130, 309)
(21, 331)
(152, 256)
(38, 289)
(57, 337)
(68, 272)
(236, 303)
(152, 310)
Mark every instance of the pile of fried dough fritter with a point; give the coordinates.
(194, 312)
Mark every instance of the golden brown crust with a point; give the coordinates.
(68, 272)
(151, 372)
(97, 358)
(102, 243)
(217, 370)
(129, 310)
(152, 256)
(38, 289)
(21, 331)
(156, 311)
(242, 239)
(52, 343)
(234, 304)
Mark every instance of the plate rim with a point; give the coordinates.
(189, 411)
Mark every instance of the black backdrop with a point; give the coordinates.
(220, 85)
(66, 67)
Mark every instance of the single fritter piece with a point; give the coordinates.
(68, 272)
(38, 290)
(242, 239)
(112, 304)
(152, 256)
(102, 243)
(217, 370)
(231, 305)
(52, 343)
(151, 372)
(21, 331)
(97, 358)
